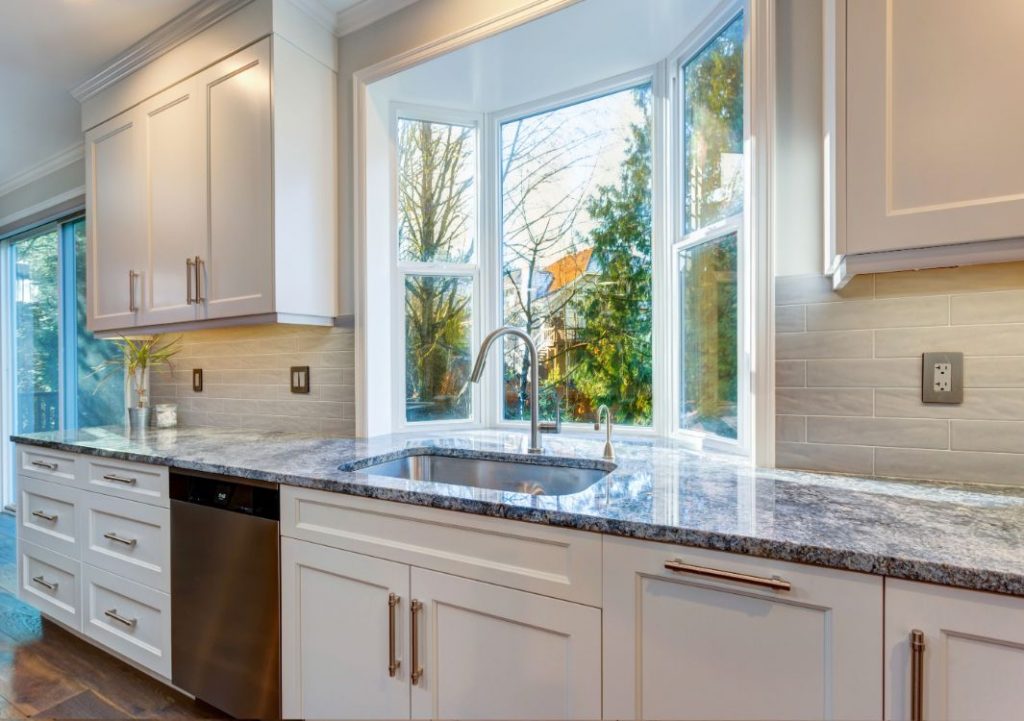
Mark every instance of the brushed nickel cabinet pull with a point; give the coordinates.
(44, 464)
(132, 275)
(199, 280)
(110, 535)
(44, 583)
(119, 479)
(416, 672)
(775, 583)
(112, 613)
(916, 675)
(188, 281)
(51, 517)
(393, 663)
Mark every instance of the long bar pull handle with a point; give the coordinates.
(44, 464)
(416, 672)
(393, 662)
(916, 675)
(120, 479)
(188, 281)
(51, 517)
(111, 536)
(132, 275)
(44, 583)
(775, 583)
(112, 613)
(199, 280)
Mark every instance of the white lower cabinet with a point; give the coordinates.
(970, 653)
(50, 582)
(697, 634)
(461, 648)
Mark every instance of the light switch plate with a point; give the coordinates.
(197, 380)
(942, 378)
(300, 379)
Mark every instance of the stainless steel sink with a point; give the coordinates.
(532, 478)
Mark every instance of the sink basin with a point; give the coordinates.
(532, 478)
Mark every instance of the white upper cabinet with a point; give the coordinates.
(923, 133)
(215, 199)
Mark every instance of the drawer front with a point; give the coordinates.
(127, 538)
(134, 481)
(128, 618)
(48, 515)
(531, 557)
(46, 464)
(50, 582)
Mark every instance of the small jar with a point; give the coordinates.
(165, 415)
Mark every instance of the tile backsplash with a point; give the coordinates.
(246, 374)
(848, 374)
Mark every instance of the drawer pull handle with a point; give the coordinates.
(129, 622)
(44, 583)
(119, 479)
(416, 673)
(47, 466)
(393, 663)
(51, 517)
(775, 583)
(916, 675)
(110, 535)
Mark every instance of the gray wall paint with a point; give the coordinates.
(39, 191)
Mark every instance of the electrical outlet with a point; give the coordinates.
(942, 378)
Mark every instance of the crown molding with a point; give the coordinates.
(319, 12)
(61, 160)
(168, 36)
(366, 12)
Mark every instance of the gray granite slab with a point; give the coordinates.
(969, 536)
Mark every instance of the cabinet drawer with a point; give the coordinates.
(128, 618)
(532, 557)
(127, 538)
(50, 582)
(46, 464)
(134, 481)
(48, 515)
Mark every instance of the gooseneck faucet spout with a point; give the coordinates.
(609, 452)
(481, 361)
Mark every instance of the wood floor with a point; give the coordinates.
(47, 673)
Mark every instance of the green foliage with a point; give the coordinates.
(138, 355)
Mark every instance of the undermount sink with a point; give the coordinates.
(533, 478)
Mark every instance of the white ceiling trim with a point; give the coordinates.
(319, 12)
(61, 160)
(185, 26)
(366, 12)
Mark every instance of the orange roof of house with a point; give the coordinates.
(568, 268)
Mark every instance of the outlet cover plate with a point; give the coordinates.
(942, 378)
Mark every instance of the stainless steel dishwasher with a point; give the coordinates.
(225, 592)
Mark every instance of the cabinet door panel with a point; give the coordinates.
(237, 275)
(335, 634)
(974, 649)
(489, 652)
(685, 646)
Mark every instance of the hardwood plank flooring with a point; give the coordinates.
(48, 673)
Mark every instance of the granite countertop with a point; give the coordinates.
(970, 536)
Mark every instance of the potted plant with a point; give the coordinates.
(137, 356)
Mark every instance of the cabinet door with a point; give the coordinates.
(933, 141)
(175, 152)
(973, 657)
(487, 652)
(336, 634)
(679, 645)
(115, 177)
(236, 274)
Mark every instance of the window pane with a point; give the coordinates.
(576, 257)
(436, 194)
(438, 330)
(36, 348)
(709, 322)
(99, 396)
(713, 129)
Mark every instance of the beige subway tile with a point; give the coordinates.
(830, 344)
(333, 340)
(798, 289)
(789, 319)
(890, 313)
(979, 404)
(825, 458)
(1001, 468)
(943, 281)
(899, 432)
(339, 428)
(866, 373)
(977, 308)
(1005, 372)
(338, 393)
(981, 340)
(791, 374)
(824, 401)
(996, 436)
(790, 429)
